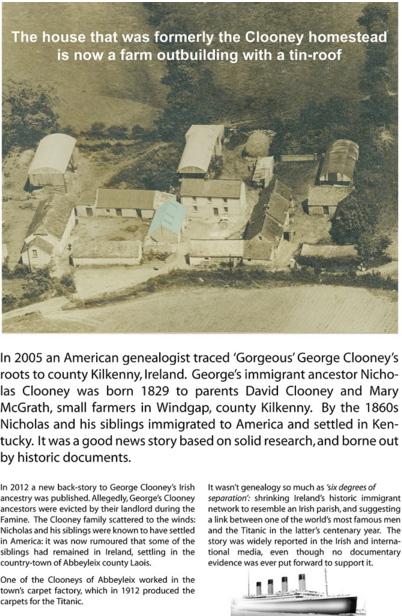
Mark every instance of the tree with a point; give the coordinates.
(355, 216)
(372, 246)
(28, 114)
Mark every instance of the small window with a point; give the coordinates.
(194, 199)
(108, 211)
(209, 200)
(260, 237)
(195, 208)
(225, 200)
(206, 258)
(34, 254)
(216, 211)
(226, 210)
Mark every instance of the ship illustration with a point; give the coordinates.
(300, 601)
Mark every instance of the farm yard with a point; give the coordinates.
(284, 310)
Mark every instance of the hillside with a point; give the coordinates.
(131, 93)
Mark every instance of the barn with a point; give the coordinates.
(49, 231)
(126, 203)
(168, 222)
(325, 199)
(56, 154)
(339, 163)
(203, 144)
(101, 253)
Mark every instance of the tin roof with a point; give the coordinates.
(200, 143)
(170, 215)
(340, 157)
(53, 154)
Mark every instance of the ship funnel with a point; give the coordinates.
(302, 581)
(258, 590)
(270, 587)
(284, 584)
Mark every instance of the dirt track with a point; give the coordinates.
(277, 310)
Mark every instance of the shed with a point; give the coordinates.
(203, 144)
(264, 171)
(99, 252)
(339, 163)
(54, 155)
(325, 199)
(168, 222)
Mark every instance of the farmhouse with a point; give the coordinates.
(168, 222)
(266, 227)
(215, 251)
(124, 203)
(339, 163)
(213, 198)
(101, 252)
(203, 145)
(55, 154)
(49, 231)
(263, 171)
(325, 199)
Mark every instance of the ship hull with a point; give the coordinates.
(324, 605)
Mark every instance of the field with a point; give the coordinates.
(289, 310)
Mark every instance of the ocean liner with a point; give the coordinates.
(299, 601)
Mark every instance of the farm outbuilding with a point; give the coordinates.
(168, 222)
(56, 154)
(215, 251)
(101, 253)
(203, 144)
(124, 203)
(325, 199)
(49, 231)
(213, 198)
(339, 163)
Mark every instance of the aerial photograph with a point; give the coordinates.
(200, 167)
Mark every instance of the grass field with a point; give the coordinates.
(326, 310)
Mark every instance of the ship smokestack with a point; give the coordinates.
(258, 591)
(284, 584)
(270, 587)
(302, 581)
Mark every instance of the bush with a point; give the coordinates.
(9, 301)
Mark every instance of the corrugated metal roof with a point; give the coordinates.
(327, 195)
(170, 215)
(216, 248)
(53, 154)
(327, 251)
(229, 189)
(341, 158)
(200, 143)
(100, 249)
(51, 217)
